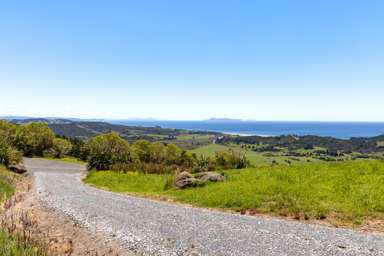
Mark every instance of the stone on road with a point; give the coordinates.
(157, 228)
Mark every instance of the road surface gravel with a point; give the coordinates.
(158, 228)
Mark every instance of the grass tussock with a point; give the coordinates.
(345, 193)
(16, 238)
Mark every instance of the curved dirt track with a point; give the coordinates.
(156, 228)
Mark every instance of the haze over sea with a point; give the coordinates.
(343, 130)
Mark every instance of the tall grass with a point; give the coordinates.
(16, 238)
(345, 193)
(16, 245)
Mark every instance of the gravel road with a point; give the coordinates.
(157, 228)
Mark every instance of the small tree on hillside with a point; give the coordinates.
(107, 150)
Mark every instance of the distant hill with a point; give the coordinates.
(292, 142)
(87, 129)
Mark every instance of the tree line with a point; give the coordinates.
(108, 151)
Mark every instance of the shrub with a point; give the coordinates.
(142, 149)
(204, 164)
(77, 148)
(8, 154)
(230, 159)
(107, 150)
(60, 148)
(34, 138)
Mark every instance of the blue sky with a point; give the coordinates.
(259, 60)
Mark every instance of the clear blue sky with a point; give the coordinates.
(260, 60)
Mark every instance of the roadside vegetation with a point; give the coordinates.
(13, 242)
(308, 177)
(111, 152)
(345, 193)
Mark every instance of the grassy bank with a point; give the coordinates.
(344, 193)
(13, 244)
(6, 187)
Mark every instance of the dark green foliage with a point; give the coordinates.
(362, 145)
(8, 154)
(110, 151)
(60, 148)
(72, 129)
(31, 139)
(78, 149)
(107, 150)
(34, 138)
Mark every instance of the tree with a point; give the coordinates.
(107, 150)
(173, 154)
(142, 149)
(60, 147)
(7, 132)
(34, 138)
(157, 152)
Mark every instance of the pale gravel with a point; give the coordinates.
(158, 228)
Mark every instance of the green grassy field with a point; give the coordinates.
(255, 158)
(13, 245)
(344, 193)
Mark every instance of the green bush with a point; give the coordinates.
(8, 132)
(8, 154)
(34, 138)
(59, 148)
(108, 150)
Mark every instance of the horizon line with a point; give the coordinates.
(211, 119)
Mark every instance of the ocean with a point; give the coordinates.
(343, 130)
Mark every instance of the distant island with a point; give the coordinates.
(213, 119)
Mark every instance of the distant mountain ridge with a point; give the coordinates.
(88, 128)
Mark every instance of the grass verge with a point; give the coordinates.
(346, 193)
(12, 243)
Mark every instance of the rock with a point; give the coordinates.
(183, 175)
(185, 180)
(17, 168)
(210, 176)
